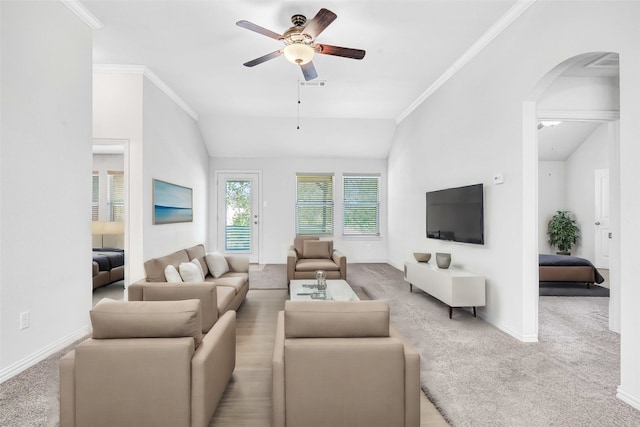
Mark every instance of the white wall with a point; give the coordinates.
(117, 116)
(551, 198)
(472, 127)
(592, 154)
(174, 151)
(279, 194)
(45, 140)
(164, 143)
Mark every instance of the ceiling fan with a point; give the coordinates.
(299, 40)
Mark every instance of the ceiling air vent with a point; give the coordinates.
(313, 83)
(609, 60)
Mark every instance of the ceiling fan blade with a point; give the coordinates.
(323, 18)
(262, 59)
(345, 52)
(258, 29)
(309, 71)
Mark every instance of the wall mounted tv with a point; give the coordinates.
(456, 214)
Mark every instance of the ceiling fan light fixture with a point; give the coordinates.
(299, 53)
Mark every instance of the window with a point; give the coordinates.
(95, 196)
(314, 204)
(115, 196)
(361, 205)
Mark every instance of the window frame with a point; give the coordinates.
(348, 204)
(325, 207)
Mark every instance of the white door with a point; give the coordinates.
(602, 232)
(238, 214)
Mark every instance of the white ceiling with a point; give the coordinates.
(557, 143)
(197, 50)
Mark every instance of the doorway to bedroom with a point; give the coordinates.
(108, 219)
(577, 135)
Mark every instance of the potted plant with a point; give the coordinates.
(563, 232)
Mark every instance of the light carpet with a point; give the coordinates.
(478, 375)
(268, 276)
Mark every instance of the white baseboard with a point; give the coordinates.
(14, 369)
(507, 330)
(628, 398)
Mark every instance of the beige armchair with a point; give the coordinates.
(309, 254)
(148, 363)
(336, 363)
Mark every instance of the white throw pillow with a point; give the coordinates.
(217, 264)
(190, 272)
(197, 263)
(171, 274)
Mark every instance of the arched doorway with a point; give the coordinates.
(584, 88)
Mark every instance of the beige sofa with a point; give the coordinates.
(309, 254)
(337, 363)
(148, 364)
(228, 291)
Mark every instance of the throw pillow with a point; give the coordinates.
(317, 249)
(197, 263)
(190, 272)
(171, 274)
(217, 264)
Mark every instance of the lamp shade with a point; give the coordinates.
(97, 227)
(299, 53)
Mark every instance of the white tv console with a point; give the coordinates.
(453, 286)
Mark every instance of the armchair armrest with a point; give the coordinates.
(238, 263)
(211, 368)
(292, 259)
(67, 390)
(165, 291)
(340, 259)
(277, 372)
(411, 380)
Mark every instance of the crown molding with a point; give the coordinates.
(579, 115)
(496, 29)
(153, 77)
(83, 13)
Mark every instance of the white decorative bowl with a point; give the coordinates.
(421, 256)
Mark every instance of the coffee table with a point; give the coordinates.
(337, 290)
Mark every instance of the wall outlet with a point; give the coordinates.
(24, 320)
(498, 179)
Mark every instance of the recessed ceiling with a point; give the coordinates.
(196, 48)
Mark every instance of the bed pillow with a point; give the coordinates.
(171, 274)
(191, 272)
(217, 264)
(317, 249)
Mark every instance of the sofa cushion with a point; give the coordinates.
(147, 319)
(198, 252)
(317, 264)
(171, 274)
(190, 272)
(154, 268)
(317, 249)
(298, 244)
(217, 264)
(336, 319)
(235, 282)
(225, 296)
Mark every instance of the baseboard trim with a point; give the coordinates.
(628, 398)
(21, 365)
(507, 330)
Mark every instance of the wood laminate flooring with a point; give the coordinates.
(247, 400)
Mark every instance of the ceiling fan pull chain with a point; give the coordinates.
(298, 117)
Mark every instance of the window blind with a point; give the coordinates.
(361, 205)
(115, 196)
(95, 196)
(314, 204)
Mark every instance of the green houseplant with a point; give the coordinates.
(563, 232)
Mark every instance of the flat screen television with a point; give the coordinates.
(456, 214)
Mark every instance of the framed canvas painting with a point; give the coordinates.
(171, 203)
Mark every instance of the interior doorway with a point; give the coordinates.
(598, 74)
(110, 196)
